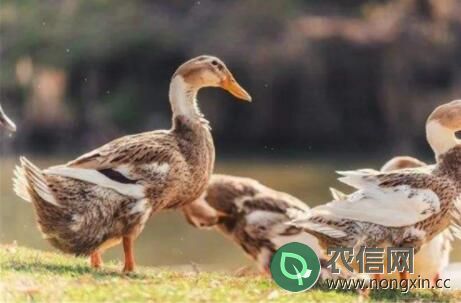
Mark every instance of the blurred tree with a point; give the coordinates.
(325, 75)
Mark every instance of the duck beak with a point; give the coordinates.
(235, 89)
(6, 122)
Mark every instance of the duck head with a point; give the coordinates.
(200, 214)
(210, 71)
(442, 125)
(401, 162)
(6, 122)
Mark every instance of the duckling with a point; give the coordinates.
(434, 255)
(403, 208)
(6, 122)
(252, 215)
(105, 197)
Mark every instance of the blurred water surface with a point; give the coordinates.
(167, 238)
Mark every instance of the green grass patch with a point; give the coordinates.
(28, 275)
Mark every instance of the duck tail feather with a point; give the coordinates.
(30, 181)
(20, 185)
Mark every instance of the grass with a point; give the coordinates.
(28, 275)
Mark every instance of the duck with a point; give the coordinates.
(6, 122)
(433, 256)
(402, 208)
(105, 196)
(254, 216)
(250, 214)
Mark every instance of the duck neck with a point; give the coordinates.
(440, 138)
(183, 99)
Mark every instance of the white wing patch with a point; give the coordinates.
(262, 217)
(388, 206)
(92, 176)
(263, 223)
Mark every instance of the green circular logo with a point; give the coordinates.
(295, 267)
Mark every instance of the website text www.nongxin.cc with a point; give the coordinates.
(404, 285)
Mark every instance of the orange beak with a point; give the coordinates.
(235, 89)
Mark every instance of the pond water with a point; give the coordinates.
(167, 238)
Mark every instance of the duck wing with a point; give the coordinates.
(336, 194)
(389, 199)
(266, 216)
(126, 164)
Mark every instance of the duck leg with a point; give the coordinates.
(96, 259)
(129, 256)
(405, 275)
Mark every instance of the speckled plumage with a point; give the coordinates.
(107, 195)
(434, 255)
(360, 233)
(437, 188)
(252, 215)
(88, 215)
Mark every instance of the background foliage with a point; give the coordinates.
(325, 76)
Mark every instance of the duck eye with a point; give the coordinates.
(214, 62)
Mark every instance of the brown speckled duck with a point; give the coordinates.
(434, 255)
(6, 122)
(106, 196)
(403, 208)
(252, 215)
